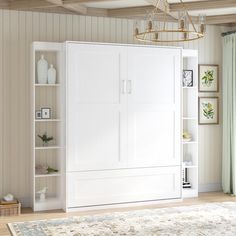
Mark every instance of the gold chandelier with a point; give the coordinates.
(158, 31)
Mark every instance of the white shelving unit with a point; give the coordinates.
(190, 123)
(50, 96)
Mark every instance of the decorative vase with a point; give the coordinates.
(51, 75)
(42, 69)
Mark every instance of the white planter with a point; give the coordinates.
(51, 75)
(42, 69)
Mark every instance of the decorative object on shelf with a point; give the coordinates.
(8, 198)
(186, 184)
(208, 78)
(187, 163)
(187, 78)
(42, 194)
(44, 170)
(38, 115)
(187, 137)
(158, 31)
(46, 113)
(45, 139)
(42, 69)
(208, 110)
(52, 75)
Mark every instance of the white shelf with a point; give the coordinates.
(48, 175)
(189, 192)
(190, 167)
(47, 85)
(194, 87)
(190, 142)
(190, 118)
(47, 120)
(49, 147)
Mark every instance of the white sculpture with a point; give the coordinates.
(51, 75)
(42, 194)
(8, 198)
(42, 69)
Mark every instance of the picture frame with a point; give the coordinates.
(46, 113)
(187, 78)
(208, 78)
(38, 115)
(208, 110)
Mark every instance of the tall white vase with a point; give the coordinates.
(52, 75)
(42, 69)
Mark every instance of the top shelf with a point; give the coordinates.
(47, 85)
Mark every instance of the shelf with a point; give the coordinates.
(194, 87)
(47, 120)
(47, 85)
(48, 175)
(49, 147)
(190, 167)
(189, 192)
(191, 142)
(189, 118)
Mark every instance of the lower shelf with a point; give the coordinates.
(50, 203)
(189, 192)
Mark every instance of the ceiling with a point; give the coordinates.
(218, 12)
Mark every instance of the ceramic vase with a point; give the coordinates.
(42, 69)
(51, 75)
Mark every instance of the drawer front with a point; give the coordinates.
(123, 186)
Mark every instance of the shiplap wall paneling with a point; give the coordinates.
(18, 30)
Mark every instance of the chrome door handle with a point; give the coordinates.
(129, 86)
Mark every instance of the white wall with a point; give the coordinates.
(17, 31)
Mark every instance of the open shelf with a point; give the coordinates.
(46, 148)
(48, 175)
(50, 203)
(47, 120)
(47, 85)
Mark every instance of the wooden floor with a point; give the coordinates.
(28, 215)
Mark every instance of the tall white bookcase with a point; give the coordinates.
(48, 96)
(190, 124)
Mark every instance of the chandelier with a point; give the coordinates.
(158, 31)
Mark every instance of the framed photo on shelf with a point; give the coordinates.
(208, 78)
(187, 78)
(38, 115)
(208, 110)
(46, 113)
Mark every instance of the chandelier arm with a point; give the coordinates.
(189, 18)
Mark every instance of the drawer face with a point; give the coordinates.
(123, 186)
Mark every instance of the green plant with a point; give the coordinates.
(208, 78)
(208, 110)
(45, 138)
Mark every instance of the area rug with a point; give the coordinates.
(206, 219)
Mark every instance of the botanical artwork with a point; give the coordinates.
(208, 110)
(208, 78)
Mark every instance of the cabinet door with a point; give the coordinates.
(96, 107)
(154, 107)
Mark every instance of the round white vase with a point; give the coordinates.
(42, 69)
(52, 75)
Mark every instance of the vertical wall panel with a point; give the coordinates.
(17, 31)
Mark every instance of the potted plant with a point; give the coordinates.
(45, 139)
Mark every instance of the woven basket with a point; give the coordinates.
(10, 209)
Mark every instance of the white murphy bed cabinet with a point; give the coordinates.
(123, 125)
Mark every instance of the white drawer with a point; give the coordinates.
(122, 186)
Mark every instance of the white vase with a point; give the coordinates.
(42, 69)
(52, 75)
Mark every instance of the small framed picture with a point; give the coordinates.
(208, 78)
(208, 110)
(187, 78)
(46, 113)
(38, 115)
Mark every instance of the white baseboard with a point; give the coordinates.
(210, 187)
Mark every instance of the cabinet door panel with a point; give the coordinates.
(96, 107)
(154, 107)
(123, 186)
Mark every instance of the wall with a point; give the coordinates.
(17, 31)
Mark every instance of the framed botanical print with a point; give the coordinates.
(208, 110)
(187, 78)
(208, 78)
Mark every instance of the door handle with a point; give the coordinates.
(129, 86)
(124, 86)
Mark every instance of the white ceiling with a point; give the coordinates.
(136, 3)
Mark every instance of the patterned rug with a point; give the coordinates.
(208, 219)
